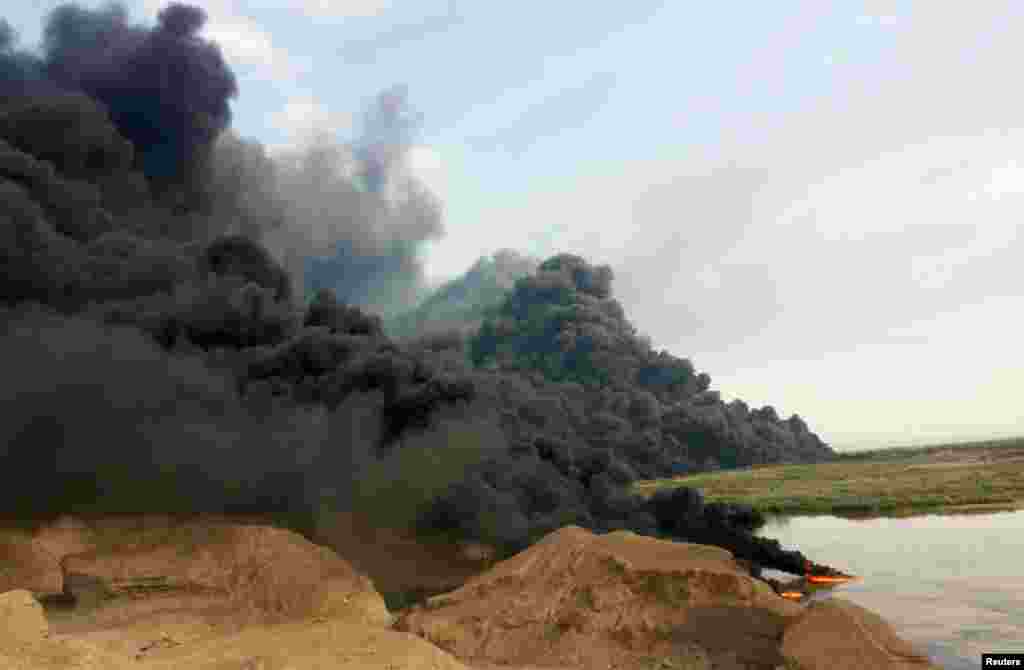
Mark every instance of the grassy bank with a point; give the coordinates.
(885, 481)
(1001, 449)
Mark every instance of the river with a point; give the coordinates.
(951, 584)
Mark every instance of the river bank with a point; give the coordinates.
(949, 583)
(982, 476)
(222, 596)
(946, 514)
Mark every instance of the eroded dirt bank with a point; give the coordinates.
(216, 595)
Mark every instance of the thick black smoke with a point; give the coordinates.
(166, 89)
(563, 323)
(587, 408)
(99, 419)
(351, 210)
(133, 303)
(158, 355)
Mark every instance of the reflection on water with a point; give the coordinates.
(952, 584)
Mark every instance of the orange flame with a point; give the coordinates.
(821, 579)
(835, 578)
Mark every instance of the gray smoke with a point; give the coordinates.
(158, 357)
(362, 243)
(145, 251)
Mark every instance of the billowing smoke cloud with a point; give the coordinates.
(357, 219)
(388, 129)
(138, 237)
(157, 359)
(166, 89)
(343, 217)
(458, 307)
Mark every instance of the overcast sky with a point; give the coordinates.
(818, 203)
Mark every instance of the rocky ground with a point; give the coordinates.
(216, 595)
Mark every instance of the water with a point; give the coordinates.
(951, 584)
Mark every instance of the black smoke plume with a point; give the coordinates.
(166, 89)
(144, 252)
(159, 357)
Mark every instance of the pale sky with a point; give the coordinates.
(818, 203)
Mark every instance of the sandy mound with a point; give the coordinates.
(61, 655)
(206, 596)
(270, 573)
(619, 599)
(24, 643)
(28, 564)
(231, 596)
(309, 645)
(65, 536)
(306, 646)
(23, 618)
(836, 634)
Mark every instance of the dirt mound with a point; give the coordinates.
(619, 599)
(269, 573)
(310, 645)
(71, 654)
(210, 595)
(27, 564)
(65, 536)
(231, 596)
(836, 634)
(306, 646)
(22, 616)
(25, 643)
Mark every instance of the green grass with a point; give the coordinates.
(881, 482)
(397, 601)
(436, 604)
(554, 631)
(614, 566)
(668, 589)
(900, 453)
(585, 598)
(680, 661)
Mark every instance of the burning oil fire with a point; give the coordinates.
(814, 574)
(820, 574)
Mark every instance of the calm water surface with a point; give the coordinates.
(951, 584)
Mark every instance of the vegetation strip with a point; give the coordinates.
(892, 481)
